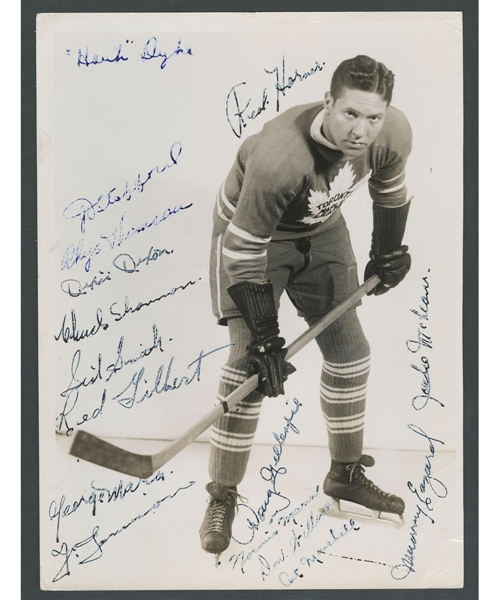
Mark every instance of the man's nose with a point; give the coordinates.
(359, 129)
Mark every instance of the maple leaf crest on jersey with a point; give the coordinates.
(323, 205)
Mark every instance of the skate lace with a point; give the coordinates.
(217, 514)
(357, 472)
(220, 507)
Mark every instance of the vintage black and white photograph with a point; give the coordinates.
(250, 300)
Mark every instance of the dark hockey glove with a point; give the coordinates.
(389, 259)
(390, 267)
(266, 355)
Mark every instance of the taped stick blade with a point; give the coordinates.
(95, 450)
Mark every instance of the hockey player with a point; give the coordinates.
(278, 226)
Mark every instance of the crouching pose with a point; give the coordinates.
(278, 226)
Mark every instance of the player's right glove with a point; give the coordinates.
(266, 355)
(389, 259)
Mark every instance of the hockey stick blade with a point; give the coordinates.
(95, 450)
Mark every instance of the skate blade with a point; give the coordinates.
(364, 514)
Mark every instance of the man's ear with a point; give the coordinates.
(328, 102)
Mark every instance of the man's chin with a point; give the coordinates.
(351, 152)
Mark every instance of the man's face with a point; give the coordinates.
(354, 120)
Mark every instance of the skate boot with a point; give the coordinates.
(347, 481)
(215, 531)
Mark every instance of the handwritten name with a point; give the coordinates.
(78, 381)
(119, 310)
(84, 61)
(127, 264)
(238, 111)
(242, 557)
(99, 495)
(285, 82)
(290, 517)
(423, 340)
(151, 52)
(420, 401)
(287, 579)
(119, 236)
(270, 474)
(75, 288)
(84, 210)
(133, 393)
(90, 549)
(427, 493)
(72, 333)
(76, 254)
(162, 381)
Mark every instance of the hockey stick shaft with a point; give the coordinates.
(252, 382)
(93, 449)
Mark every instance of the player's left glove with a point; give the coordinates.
(388, 258)
(391, 267)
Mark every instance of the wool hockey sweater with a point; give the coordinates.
(289, 181)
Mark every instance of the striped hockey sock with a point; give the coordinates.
(232, 435)
(344, 377)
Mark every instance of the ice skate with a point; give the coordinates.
(347, 482)
(216, 529)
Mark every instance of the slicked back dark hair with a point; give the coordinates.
(363, 73)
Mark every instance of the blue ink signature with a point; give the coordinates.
(162, 382)
(75, 288)
(281, 438)
(419, 402)
(287, 580)
(311, 524)
(424, 315)
(243, 557)
(424, 501)
(423, 341)
(94, 546)
(127, 264)
(270, 474)
(119, 362)
(83, 58)
(71, 393)
(265, 566)
(118, 236)
(76, 254)
(151, 51)
(120, 312)
(235, 108)
(85, 210)
(100, 495)
(285, 519)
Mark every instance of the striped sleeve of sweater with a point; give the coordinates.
(388, 156)
(270, 181)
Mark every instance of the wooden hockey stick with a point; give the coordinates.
(95, 450)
